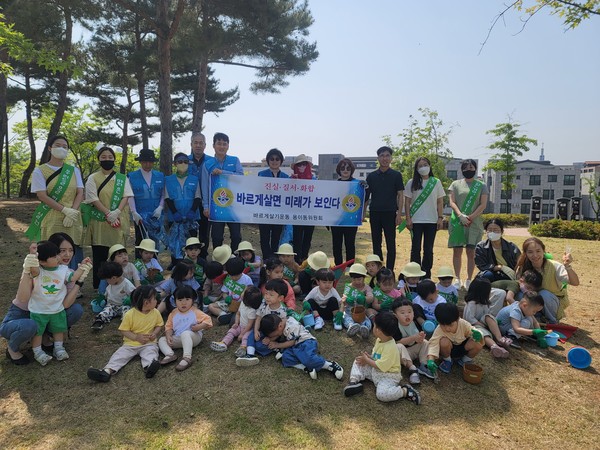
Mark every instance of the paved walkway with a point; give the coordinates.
(517, 232)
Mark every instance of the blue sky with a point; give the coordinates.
(382, 60)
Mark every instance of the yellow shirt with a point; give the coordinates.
(462, 333)
(386, 356)
(139, 323)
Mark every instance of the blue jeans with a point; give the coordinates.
(17, 328)
(551, 304)
(306, 353)
(257, 346)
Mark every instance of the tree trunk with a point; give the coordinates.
(141, 86)
(200, 105)
(3, 114)
(164, 87)
(125, 136)
(23, 190)
(63, 85)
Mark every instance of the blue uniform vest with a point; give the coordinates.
(182, 197)
(147, 198)
(229, 164)
(196, 170)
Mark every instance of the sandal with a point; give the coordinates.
(499, 352)
(168, 359)
(183, 364)
(505, 342)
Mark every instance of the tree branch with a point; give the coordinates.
(494, 22)
(250, 66)
(579, 6)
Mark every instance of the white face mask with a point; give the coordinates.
(59, 152)
(423, 170)
(181, 168)
(494, 236)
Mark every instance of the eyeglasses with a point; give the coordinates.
(345, 168)
(182, 161)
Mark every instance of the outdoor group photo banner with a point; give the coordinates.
(283, 201)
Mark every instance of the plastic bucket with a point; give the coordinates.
(429, 326)
(472, 373)
(98, 305)
(308, 320)
(359, 314)
(579, 357)
(552, 339)
(234, 306)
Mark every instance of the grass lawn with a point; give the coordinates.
(532, 400)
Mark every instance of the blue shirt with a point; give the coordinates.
(231, 165)
(268, 173)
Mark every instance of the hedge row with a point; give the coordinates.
(510, 220)
(567, 229)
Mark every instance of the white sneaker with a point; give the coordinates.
(319, 323)
(457, 284)
(353, 329)
(43, 358)
(60, 354)
(337, 326)
(467, 284)
(219, 347)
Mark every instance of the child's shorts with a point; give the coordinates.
(223, 306)
(458, 350)
(56, 323)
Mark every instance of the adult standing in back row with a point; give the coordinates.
(386, 192)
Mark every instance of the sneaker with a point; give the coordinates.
(152, 369)
(338, 326)
(499, 352)
(336, 370)
(467, 284)
(241, 351)
(412, 394)
(464, 360)
(60, 354)
(98, 375)
(353, 389)
(278, 355)
(312, 373)
(364, 332)
(446, 366)
(353, 329)
(224, 319)
(414, 378)
(424, 370)
(457, 284)
(42, 357)
(219, 347)
(319, 323)
(97, 325)
(247, 361)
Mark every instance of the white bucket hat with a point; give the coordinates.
(114, 249)
(193, 241)
(318, 260)
(244, 245)
(358, 269)
(147, 244)
(445, 272)
(412, 269)
(285, 249)
(222, 253)
(373, 258)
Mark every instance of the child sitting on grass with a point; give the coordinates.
(243, 325)
(409, 278)
(372, 263)
(183, 329)
(295, 346)
(357, 293)
(382, 366)
(147, 265)
(445, 287)
(286, 254)
(251, 259)
(411, 336)
(427, 300)
(518, 319)
(453, 339)
(234, 285)
(212, 289)
(477, 313)
(140, 327)
(117, 294)
(323, 301)
(192, 250)
(273, 270)
(384, 293)
(117, 253)
(182, 275)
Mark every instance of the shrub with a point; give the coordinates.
(510, 220)
(567, 229)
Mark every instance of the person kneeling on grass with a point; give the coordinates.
(453, 339)
(518, 319)
(382, 366)
(295, 346)
(140, 328)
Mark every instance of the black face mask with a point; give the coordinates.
(107, 164)
(468, 173)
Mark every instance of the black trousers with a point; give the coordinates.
(423, 234)
(302, 240)
(218, 230)
(346, 235)
(384, 222)
(99, 255)
(269, 239)
(203, 233)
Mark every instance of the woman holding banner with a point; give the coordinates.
(468, 199)
(59, 187)
(302, 234)
(424, 201)
(346, 235)
(270, 234)
(105, 211)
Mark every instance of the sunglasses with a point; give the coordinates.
(344, 168)
(182, 161)
(274, 158)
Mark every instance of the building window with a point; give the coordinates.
(548, 194)
(548, 209)
(569, 180)
(526, 194)
(362, 174)
(502, 178)
(535, 180)
(568, 193)
(518, 177)
(552, 178)
(505, 194)
(335, 160)
(452, 174)
(525, 208)
(504, 208)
